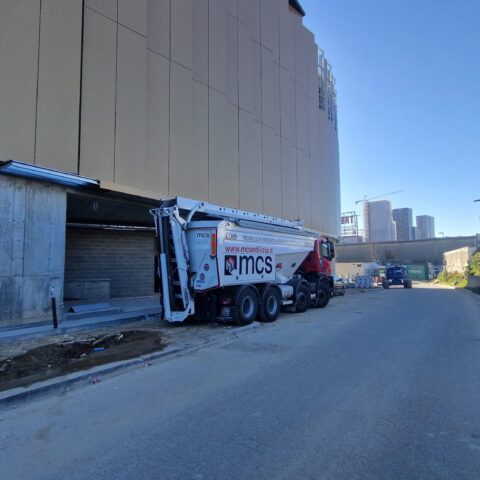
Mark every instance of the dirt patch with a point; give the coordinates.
(49, 361)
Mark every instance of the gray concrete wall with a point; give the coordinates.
(32, 246)
(456, 261)
(419, 251)
(126, 259)
(473, 281)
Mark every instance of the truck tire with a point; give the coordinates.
(270, 305)
(246, 303)
(302, 296)
(407, 284)
(385, 284)
(323, 295)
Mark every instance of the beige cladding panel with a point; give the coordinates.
(287, 105)
(232, 60)
(269, 26)
(223, 151)
(286, 39)
(300, 55)
(131, 109)
(332, 216)
(250, 162)
(257, 81)
(191, 104)
(289, 181)
(199, 168)
(232, 7)
(158, 26)
(301, 117)
(245, 67)
(200, 41)
(19, 27)
(270, 91)
(97, 148)
(107, 8)
(180, 130)
(318, 192)
(311, 54)
(324, 127)
(314, 129)
(272, 173)
(232, 155)
(157, 128)
(304, 187)
(249, 15)
(181, 32)
(133, 15)
(217, 45)
(59, 85)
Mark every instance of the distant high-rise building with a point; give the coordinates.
(414, 233)
(404, 220)
(425, 227)
(378, 221)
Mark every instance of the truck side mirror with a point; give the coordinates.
(332, 250)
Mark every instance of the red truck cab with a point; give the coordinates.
(319, 260)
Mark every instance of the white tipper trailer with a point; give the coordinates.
(231, 265)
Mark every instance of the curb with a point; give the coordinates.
(16, 396)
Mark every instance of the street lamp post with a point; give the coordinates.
(443, 250)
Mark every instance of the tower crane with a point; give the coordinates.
(378, 196)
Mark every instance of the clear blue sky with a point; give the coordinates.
(408, 80)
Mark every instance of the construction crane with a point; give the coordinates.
(378, 196)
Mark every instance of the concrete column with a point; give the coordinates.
(32, 249)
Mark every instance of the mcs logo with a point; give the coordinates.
(259, 265)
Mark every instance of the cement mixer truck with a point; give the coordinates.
(228, 265)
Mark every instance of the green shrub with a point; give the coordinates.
(474, 265)
(454, 279)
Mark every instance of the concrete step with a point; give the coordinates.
(91, 323)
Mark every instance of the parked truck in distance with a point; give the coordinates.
(230, 265)
(396, 275)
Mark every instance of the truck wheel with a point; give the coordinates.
(385, 284)
(271, 303)
(407, 284)
(302, 296)
(246, 303)
(323, 295)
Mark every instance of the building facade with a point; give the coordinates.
(425, 227)
(230, 102)
(379, 225)
(404, 222)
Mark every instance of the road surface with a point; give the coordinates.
(379, 385)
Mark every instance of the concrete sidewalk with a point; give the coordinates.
(119, 311)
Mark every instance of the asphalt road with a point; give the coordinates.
(379, 385)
